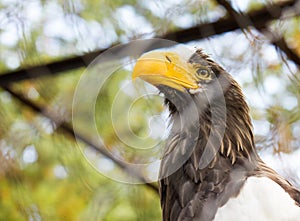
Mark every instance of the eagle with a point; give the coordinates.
(210, 169)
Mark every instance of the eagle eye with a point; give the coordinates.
(203, 73)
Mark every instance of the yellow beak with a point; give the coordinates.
(165, 68)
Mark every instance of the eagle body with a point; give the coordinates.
(210, 169)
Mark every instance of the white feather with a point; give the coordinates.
(260, 199)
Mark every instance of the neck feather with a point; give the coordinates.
(225, 129)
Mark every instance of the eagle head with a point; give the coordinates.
(204, 95)
(183, 79)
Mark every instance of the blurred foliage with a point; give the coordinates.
(43, 174)
(117, 121)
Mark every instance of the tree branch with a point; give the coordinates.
(278, 42)
(259, 19)
(68, 130)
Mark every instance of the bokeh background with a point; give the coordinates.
(46, 174)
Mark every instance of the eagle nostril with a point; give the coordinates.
(168, 59)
